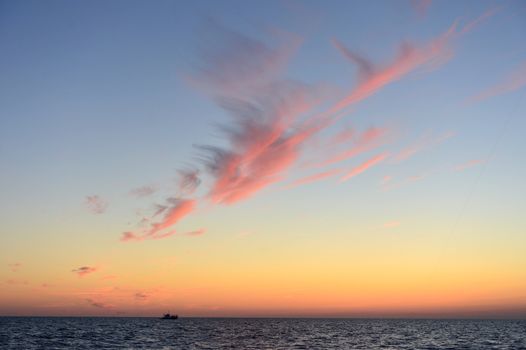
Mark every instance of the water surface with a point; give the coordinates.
(238, 333)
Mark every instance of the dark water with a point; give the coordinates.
(202, 333)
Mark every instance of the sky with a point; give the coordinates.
(267, 159)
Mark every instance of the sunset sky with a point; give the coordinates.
(263, 158)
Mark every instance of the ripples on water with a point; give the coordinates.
(202, 333)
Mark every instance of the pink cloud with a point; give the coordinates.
(96, 204)
(264, 143)
(364, 166)
(84, 270)
(173, 213)
(368, 140)
(267, 137)
(373, 78)
(313, 178)
(514, 81)
(469, 164)
(269, 129)
(129, 236)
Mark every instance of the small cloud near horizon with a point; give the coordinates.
(15, 266)
(99, 304)
(140, 296)
(84, 270)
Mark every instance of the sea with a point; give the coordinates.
(100, 333)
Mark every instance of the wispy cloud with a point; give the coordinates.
(514, 81)
(469, 164)
(366, 141)
(272, 120)
(84, 270)
(13, 282)
(372, 78)
(180, 209)
(421, 6)
(314, 178)
(234, 64)
(144, 191)
(364, 166)
(177, 209)
(425, 141)
(14, 267)
(188, 181)
(477, 21)
(195, 233)
(96, 204)
(392, 184)
(264, 142)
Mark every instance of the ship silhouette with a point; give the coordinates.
(169, 317)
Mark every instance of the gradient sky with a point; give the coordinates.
(270, 158)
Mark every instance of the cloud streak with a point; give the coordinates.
(468, 164)
(368, 140)
(196, 233)
(364, 166)
(177, 210)
(144, 191)
(313, 178)
(477, 21)
(514, 81)
(373, 78)
(425, 141)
